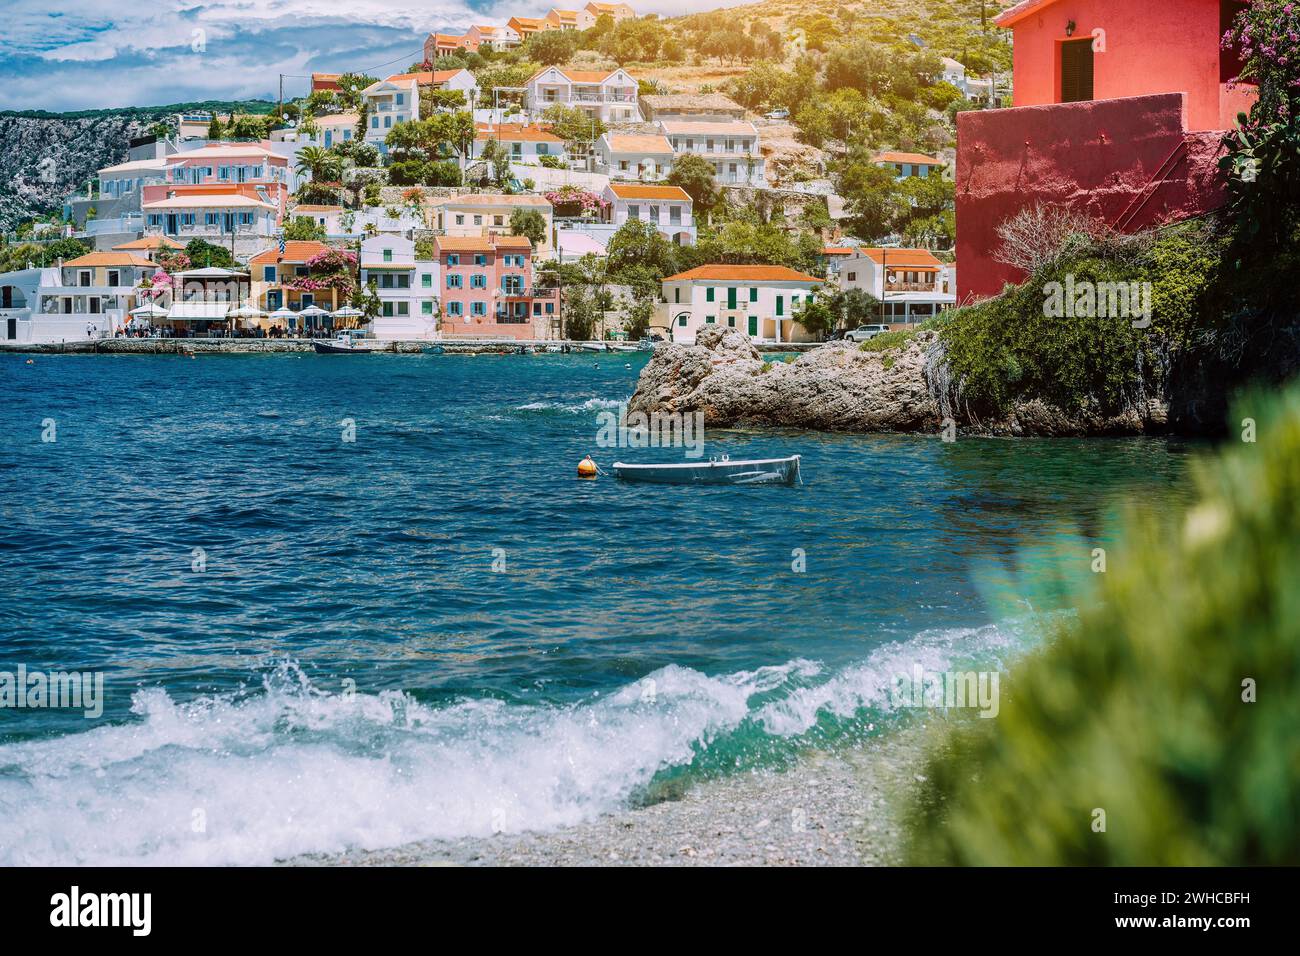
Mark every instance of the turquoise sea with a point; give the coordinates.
(436, 630)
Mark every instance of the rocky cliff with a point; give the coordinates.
(42, 159)
(840, 387)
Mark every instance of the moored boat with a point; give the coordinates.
(764, 471)
(340, 345)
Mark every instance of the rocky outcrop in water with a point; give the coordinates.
(839, 387)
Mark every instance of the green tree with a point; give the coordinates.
(695, 175)
(576, 127)
(304, 228)
(366, 299)
(350, 87)
(529, 223)
(639, 244)
(871, 196)
(580, 313)
(203, 254)
(552, 47)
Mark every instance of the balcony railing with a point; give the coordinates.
(911, 287)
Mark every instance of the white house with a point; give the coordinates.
(214, 216)
(762, 301)
(911, 284)
(19, 298)
(407, 288)
(731, 147)
(525, 143)
(668, 208)
(955, 74)
(635, 156)
(397, 99)
(335, 128)
(90, 296)
(495, 37)
(907, 165)
(610, 96)
(329, 218)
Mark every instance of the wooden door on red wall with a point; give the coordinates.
(1076, 71)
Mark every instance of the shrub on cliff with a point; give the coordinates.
(1060, 337)
(1159, 729)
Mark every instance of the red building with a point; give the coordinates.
(1119, 113)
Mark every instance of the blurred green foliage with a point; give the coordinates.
(1136, 708)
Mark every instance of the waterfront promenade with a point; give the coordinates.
(227, 346)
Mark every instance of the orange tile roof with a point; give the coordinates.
(536, 23)
(297, 250)
(838, 251)
(638, 143)
(109, 259)
(150, 242)
(588, 76)
(903, 258)
(325, 81)
(729, 273)
(913, 158)
(637, 191)
(426, 78)
(480, 243)
(515, 132)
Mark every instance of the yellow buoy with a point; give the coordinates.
(587, 468)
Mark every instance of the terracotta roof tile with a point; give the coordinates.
(722, 272)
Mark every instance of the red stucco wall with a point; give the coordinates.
(1098, 157)
(1151, 46)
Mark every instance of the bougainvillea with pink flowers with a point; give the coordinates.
(1266, 36)
(331, 269)
(567, 199)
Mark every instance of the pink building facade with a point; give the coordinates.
(1120, 109)
(488, 291)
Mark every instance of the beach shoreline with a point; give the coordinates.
(840, 808)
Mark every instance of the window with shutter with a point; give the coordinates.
(1076, 71)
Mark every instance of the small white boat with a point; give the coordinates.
(622, 347)
(342, 344)
(765, 471)
(589, 346)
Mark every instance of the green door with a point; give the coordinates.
(731, 297)
(753, 326)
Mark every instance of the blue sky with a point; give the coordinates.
(87, 54)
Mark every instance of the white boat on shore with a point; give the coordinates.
(589, 346)
(763, 471)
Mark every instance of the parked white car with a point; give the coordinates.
(778, 114)
(864, 333)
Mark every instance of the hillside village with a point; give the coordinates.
(579, 174)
